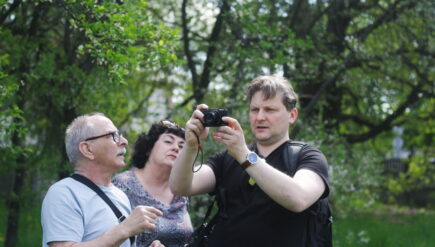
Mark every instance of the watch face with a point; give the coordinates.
(252, 158)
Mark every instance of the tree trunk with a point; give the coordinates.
(13, 202)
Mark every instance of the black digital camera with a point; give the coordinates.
(213, 117)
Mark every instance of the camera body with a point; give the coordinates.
(213, 117)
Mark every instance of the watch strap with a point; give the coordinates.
(246, 164)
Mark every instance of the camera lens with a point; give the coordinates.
(213, 117)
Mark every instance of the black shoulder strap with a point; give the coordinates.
(321, 235)
(292, 155)
(103, 196)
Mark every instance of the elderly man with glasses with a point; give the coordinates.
(73, 214)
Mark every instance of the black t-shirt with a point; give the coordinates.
(253, 218)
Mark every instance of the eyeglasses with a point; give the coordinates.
(116, 135)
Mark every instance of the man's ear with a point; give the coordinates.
(293, 115)
(86, 150)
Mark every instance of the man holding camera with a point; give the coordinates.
(263, 205)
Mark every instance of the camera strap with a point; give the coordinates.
(103, 196)
(197, 153)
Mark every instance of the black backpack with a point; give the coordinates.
(319, 214)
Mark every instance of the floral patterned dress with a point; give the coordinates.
(173, 228)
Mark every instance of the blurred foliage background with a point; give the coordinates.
(364, 71)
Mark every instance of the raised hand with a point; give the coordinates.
(194, 127)
(233, 138)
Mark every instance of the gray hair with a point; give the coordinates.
(270, 85)
(78, 130)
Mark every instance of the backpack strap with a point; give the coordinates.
(103, 196)
(319, 214)
(201, 234)
(291, 156)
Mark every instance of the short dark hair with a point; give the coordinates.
(145, 142)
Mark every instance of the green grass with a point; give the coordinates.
(402, 229)
(383, 230)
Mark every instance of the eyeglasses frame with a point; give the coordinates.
(113, 134)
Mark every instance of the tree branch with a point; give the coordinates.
(357, 119)
(186, 45)
(316, 19)
(387, 124)
(294, 16)
(138, 108)
(12, 7)
(389, 15)
(186, 101)
(208, 64)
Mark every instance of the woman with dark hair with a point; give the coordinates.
(147, 184)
